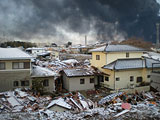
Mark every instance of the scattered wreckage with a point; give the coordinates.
(144, 105)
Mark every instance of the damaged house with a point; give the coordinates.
(45, 76)
(78, 79)
(15, 69)
(124, 64)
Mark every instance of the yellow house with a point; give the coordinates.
(124, 64)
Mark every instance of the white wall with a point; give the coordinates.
(73, 83)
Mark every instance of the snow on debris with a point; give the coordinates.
(70, 61)
(109, 97)
(60, 102)
(144, 105)
(78, 72)
(38, 71)
(13, 101)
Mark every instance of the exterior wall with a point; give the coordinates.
(9, 75)
(73, 83)
(8, 64)
(65, 82)
(98, 63)
(111, 83)
(106, 58)
(155, 81)
(112, 56)
(124, 76)
(51, 86)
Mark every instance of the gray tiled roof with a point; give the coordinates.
(134, 63)
(77, 72)
(149, 63)
(116, 48)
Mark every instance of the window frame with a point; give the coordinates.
(82, 79)
(107, 78)
(18, 65)
(131, 78)
(46, 83)
(97, 57)
(141, 79)
(15, 83)
(117, 78)
(127, 54)
(148, 76)
(4, 66)
(24, 83)
(91, 80)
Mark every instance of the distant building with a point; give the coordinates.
(35, 51)
(15, 69)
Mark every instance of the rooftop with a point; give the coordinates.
(133, 63)
(13, 53)
(116, 48)
(38, 71)
(76, 72)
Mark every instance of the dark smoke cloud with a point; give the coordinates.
(38, 19)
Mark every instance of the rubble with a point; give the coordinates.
(25, 105)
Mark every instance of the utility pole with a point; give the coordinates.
(157, 41)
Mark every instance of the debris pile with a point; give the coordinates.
(76, 103)
(25, 105)
(21, 101)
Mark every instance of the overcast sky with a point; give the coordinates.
(61, 21)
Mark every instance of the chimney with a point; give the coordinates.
(85, 40)
(157, 41)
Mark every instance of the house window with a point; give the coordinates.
(15, 83)
(2, 65)
(26, 65)
(117, 79)
(127, 54)
(106, 78)
(131, 78)
(91, 80)
(25, 83)
(82, 81)
(139, 79)
(17, 65)
(97, 57)
(148, 76)
(46, 82)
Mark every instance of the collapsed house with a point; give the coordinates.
(75, 102)
(45, 76)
